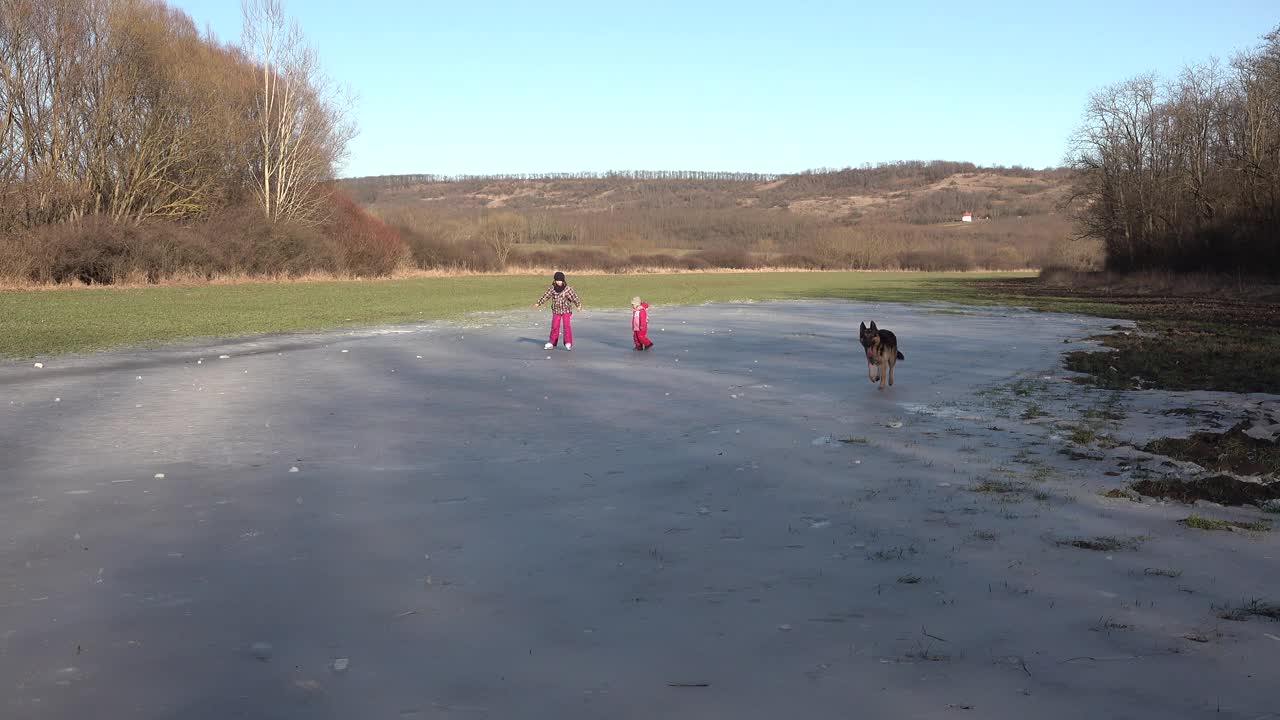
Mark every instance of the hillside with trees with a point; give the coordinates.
(904, 215)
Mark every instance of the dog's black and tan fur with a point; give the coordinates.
(881, 347)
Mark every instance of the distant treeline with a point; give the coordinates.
(889, 175)
(866, 177)
(396, 181)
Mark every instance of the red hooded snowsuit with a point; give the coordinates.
(640, 326)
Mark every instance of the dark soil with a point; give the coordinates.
(1101, 544)
(1246, 312)
(1231, 451)
(1183, 342)
(1161, 355)
(1221, 489)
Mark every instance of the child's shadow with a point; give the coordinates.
(616, 345)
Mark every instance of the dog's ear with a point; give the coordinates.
(862, 327)
(873, 326)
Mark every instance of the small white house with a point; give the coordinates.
(967, 217)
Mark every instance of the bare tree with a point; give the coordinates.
(302, 127)
(1197, 105)
(162, 162)
(42, 66)
(115, 108)
(501, 233)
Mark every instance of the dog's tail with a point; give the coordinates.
(901, 356)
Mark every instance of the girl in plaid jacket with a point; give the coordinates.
(562, 297)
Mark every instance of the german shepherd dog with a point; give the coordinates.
(882, 351)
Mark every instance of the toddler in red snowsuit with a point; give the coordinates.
(640, 324)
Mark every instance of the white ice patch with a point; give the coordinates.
(942, 412)
(1264, 426)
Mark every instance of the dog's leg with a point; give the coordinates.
(869, 376)
(893, 360)
(884, 374)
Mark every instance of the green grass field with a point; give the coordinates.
(43, 322)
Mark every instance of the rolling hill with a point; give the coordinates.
(897, 215)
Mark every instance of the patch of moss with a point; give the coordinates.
(1204, 523)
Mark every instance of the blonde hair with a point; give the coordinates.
(635, 301)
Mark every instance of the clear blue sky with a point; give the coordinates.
(498, 86)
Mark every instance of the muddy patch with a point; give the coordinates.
(1101, 543)
(1234, 451)
(1220, 489)
(1167, 357)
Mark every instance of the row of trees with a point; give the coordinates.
(880, 176)
(866, 177)
(399, 181)
(1184, 174)
(121, 109)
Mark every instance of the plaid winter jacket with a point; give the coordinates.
(560, 301)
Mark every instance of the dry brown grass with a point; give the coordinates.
(739, 237)
(235, 242)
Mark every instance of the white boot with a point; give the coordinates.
(548, 346)
(568, 346)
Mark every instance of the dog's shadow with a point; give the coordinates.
(531, 341)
